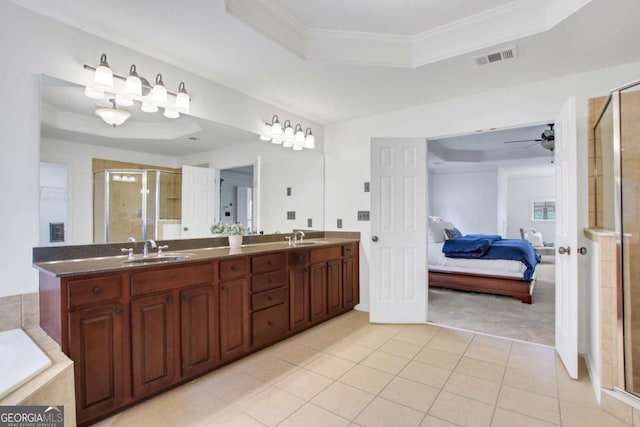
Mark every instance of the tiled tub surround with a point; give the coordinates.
(54, 386)
(19, 311)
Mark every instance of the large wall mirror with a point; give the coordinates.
(159, 178)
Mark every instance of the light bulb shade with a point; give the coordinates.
(182, 99)
(288, 134)
(93, 92)
(276, 140)
(103, 77)
(133, 85)
(287, 143)
(266, 132)
(124, 101)
(149, 107)
(309, 140)
(171, 113)
(299, 139)
(159, 92)
(276, 130)
(297, 147)
(113, 116)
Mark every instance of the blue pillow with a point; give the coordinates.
(452, 233)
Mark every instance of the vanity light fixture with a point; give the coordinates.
(113, 116)
(288, 136)
(136, 88)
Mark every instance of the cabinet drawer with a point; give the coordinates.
(270, 262)
(92, 291)
(233, 268)
(348, 250)
(170, 278)
(325, 254)
(268, 298)
(270, 324)
(263, 282)
(298, 258)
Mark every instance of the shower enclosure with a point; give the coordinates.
(136, 203)
(616, 164)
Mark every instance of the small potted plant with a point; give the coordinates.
(234, 231)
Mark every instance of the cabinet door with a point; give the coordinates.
(349, 283)
(318, 291)
(96, 349)
(299, 297)
(334, 286)
(234, 318)
(198, 330)
(153, 333)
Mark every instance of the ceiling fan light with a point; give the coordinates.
(113, 116)
(93, 92)
(266, 132)
(103, 76)
(182, 99)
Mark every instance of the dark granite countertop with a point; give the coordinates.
(107, 264)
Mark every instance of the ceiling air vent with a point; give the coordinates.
(194, 138)
(501, 55)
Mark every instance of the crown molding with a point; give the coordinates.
(514, 20)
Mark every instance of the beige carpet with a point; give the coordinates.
(499, 315)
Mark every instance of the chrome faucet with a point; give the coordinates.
(295, 236)
(145, 248)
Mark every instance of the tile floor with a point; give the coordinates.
(347, 372)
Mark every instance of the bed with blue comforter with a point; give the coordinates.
(489, 247)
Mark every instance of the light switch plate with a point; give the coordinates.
(363, 215)
(309, 222)
(366, 187)
(339, 223)
(288, 191)
(291, 214)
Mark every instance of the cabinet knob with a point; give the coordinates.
(233, 268)
(224, 288)
(186, 297)
(118, 311)
(169, 300)
(270, 323)
(300, 258)
(97, 290)
(270, 298)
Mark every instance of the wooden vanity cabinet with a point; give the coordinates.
(136, 332)
(300, 315)
(269, 298)
(235, 328)
(97, 322)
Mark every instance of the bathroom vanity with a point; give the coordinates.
(134, 329)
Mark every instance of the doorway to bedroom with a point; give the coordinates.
(499, 183)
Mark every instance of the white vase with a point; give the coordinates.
(235, 240)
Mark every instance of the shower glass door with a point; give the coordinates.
(126, 203)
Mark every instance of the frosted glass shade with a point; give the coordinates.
(266, 132)
(183, 103)
(276, 130)
(148, 107)
(103, 78)
(309, 141)
(159, 95)
(171, 113)
(113, 116)
(124, 101)
(93, 92)
(133, 87)
(288, 135)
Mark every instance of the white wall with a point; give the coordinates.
(467, 199)
(279, 168)
(32, 45)
(521, 191)
(53, 200)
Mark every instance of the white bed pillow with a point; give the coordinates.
(436, 231)
(534, 237)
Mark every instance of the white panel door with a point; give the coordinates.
(398, 274)
(567, 237)
(198, 201)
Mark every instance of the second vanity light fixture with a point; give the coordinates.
(286, 135)
(136, 88)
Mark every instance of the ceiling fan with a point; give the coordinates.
(546, 140)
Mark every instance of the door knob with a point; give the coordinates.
(185, 228)
(582, 250)
(374, 238)
(562, 250)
